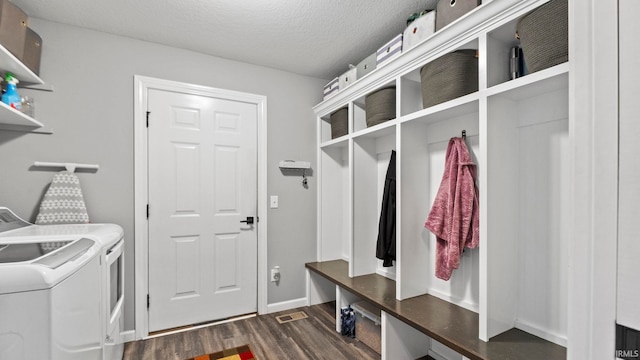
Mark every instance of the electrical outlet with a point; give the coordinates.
(275, 274)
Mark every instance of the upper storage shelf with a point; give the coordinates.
(10, 118)
(464, 33)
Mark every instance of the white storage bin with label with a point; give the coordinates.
(347, 78)
(420, 29)
(331, 88)
(366, 66)
(389, 51)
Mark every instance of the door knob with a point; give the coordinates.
(249, 220)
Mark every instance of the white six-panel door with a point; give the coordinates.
(202, 159)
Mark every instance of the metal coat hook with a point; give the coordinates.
(464, 134)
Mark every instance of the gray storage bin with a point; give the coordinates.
(448, 11)
(449, 76)
(380, 106)
(544, 35)
(13, 28)
(339, 122)
(32, 51)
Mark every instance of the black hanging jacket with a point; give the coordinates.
(386, 246)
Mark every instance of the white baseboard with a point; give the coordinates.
(286, 305)
(455, 300)
(128, 336)
(542, 333)
(439, 351)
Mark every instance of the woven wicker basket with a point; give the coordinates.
(368, 328)
(448, 77)
(380, 106)
(339, 122)
(544, 35)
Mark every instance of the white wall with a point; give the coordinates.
(91, 113)
(628, 312)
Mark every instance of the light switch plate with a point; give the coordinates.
(273, 203)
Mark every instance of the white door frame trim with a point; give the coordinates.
(142, 85)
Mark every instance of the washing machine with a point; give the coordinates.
(59, 296)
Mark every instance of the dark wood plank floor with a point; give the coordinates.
(311, 338)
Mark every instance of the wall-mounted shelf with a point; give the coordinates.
(11, 119)
(294, 165)
(8, 62)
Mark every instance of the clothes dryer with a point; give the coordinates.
(107, 288)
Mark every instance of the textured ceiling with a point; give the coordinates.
(318, 38)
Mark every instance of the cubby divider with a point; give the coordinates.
(401, 341)
(371, 157)
(335, 211)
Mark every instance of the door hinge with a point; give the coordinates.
(147, 211)
(148, 301)
(148, 112)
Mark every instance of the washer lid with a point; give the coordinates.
(48, 270)
(66, 253)
(28, 251)
(49, 254)
(10, 221)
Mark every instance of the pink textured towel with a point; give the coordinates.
(454, 216)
